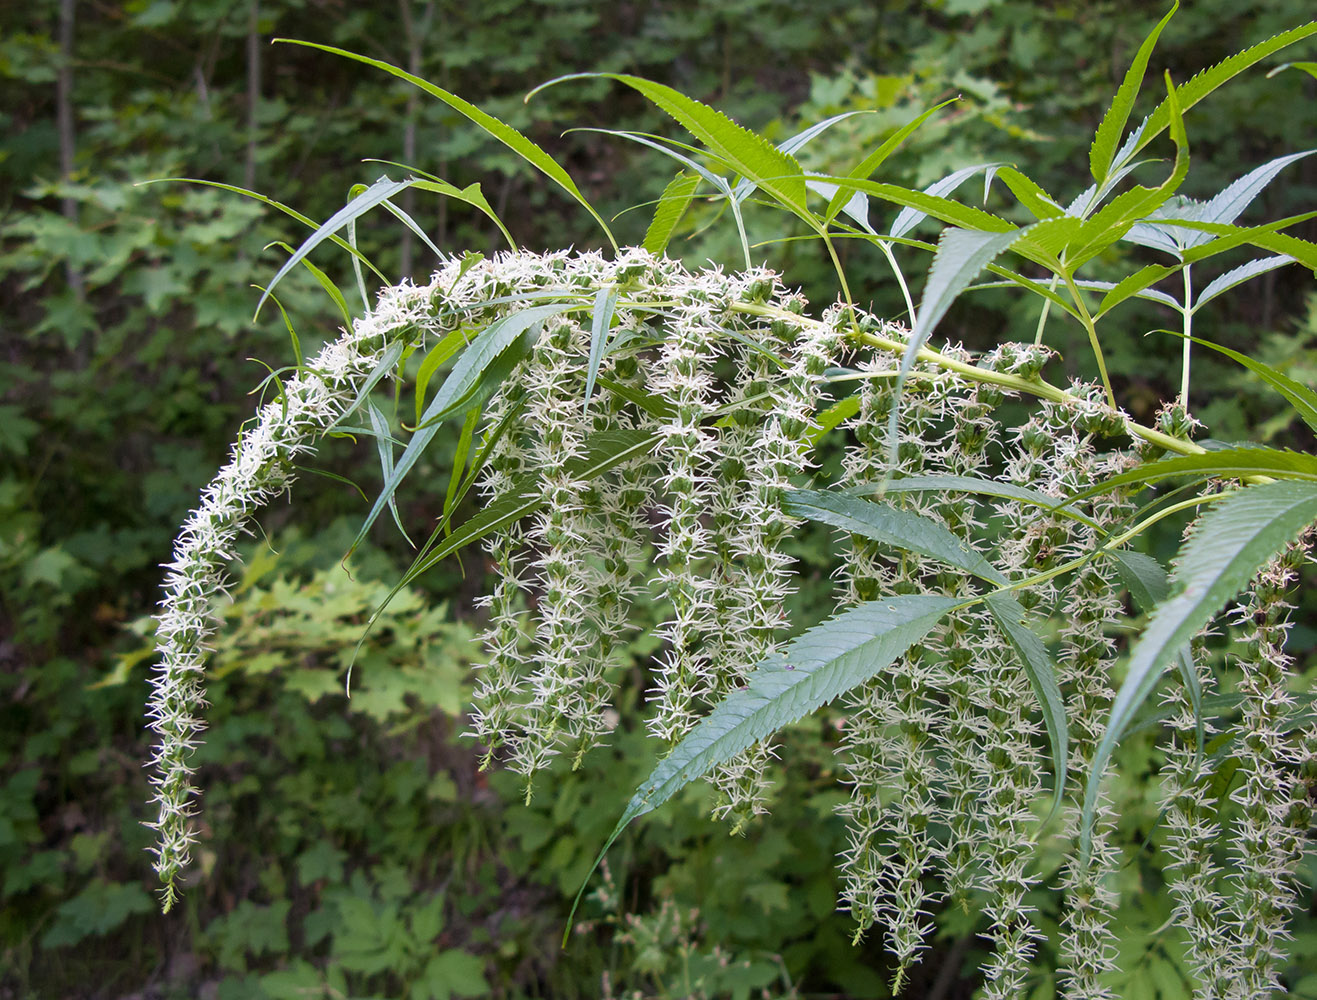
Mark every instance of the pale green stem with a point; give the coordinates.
(1042, 316)
(745, 240)
(1090, 325)
(1188, 332)
(1081, 561)
(886, 248)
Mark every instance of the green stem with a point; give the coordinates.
(886, 248)
(1014, 383)
(1042, 316)
(1090, 325)
(1188, 332)
(1081, 561)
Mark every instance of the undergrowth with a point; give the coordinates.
(639, 431)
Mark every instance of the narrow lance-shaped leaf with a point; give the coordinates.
(1206, 82)
(338, 241)
(387, 360)
(1030, 194)
(501, 131)
(1118, 216)
(1230, 203)
(604, 451)
(913, 532)
(751, 155)
(384, 448)
(866, 167)
(459, 458)
(1231, 542)
(1037, 664)
(480, 369)
(323, 280)
(746, 187)
(902, 529)
(1298, 395)
(909, 217)
(821, 664)
(1148, 585)
(1103, 150)
(605, 303)
(1239, 275)
(961, 254)
(721, 184)
(1223, 463)
(380, 191)
(672, 205)
(938, 483)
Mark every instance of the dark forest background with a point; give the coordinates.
(352, 848)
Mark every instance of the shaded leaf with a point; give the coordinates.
(1148, 585)
(1239, 275)
(600, 325)
(819, 665)
(1038, 667)
(1231, 542)
(901, 529)
(1298, 395)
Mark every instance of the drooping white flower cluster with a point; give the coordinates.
(261, 467)
(664, 488)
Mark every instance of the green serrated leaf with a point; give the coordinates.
(821, 664)
(942, 209)
(831, 418)
(901, 529)
(909, 217)
(453, 342)
(1110, 223)
(1132, 285)
(746, 187)
(1030, 194)
(1109, 133)
(1238, 275)
(865, 168)
(938, 483)
(1298, 395)
(750, 155)
(1206, 82)
(961, 254)
(1148, 585)
(672, 205)
(1231, 542)
(1223, 463)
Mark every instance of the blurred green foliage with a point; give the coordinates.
(351, 846)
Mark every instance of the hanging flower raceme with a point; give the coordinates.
(650, 427)
(565, 576)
